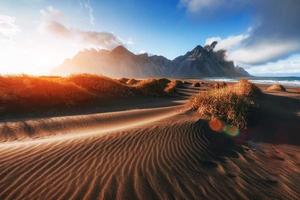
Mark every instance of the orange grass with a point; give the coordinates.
(19, 94)
(276, 87)
(153, 87)
(232, 104)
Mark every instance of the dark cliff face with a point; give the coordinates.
(204, 62)
(120, 62)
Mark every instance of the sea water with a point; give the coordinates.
(287, 81)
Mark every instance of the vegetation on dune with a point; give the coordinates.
(132, 81)
(232, 104)
(40, 92)
(245, 88)
(153, 87)
(171, 87)
(196, 84)
(187, 82)
(219, 85)
(44, 93)
(179, 83)
(100, 85)
(276, 87)
(123, 80)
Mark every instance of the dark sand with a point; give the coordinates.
(156, 153)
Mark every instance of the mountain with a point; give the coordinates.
(203, 61)
(120, 62)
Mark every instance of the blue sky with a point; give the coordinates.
(42, 33)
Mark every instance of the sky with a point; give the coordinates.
(261, 36)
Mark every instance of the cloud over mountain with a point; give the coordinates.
(52, 23)
(275, 33)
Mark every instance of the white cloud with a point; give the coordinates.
(274, 34)
(197, 5)
(257, 59)
(8, 28)
(89, 38)
(262, 52)
(288, 66)
(50, 23)
(87, 5)
(51, 13)
(228, 43)
(239, 51)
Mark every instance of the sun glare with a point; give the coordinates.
(35, 57)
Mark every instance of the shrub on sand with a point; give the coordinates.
(276, 87)
(179, 83)
(152, 87)
(20, 94)
(196, 84)
(36, 93)
(244, 87)
(232, 104)
(132, 81)
(101, 85)
(187, 83)
(171, 87)
(219, 85)
(123, 80)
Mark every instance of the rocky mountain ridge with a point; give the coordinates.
(120, 62)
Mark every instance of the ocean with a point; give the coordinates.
(286, 81)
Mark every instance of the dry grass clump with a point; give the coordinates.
(232, 104)
(123, 80)
(196, 84)
(171, 87)
(132, 81)
(21, 94)
(187, 83)
(179, 83)
(276, 87)
(100, 85)
(152, 87)
(219, 85)
(35, 93)
(29, 93)
(244, 87)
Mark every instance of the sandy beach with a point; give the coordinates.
(153, 151)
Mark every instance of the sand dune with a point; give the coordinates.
(170, 155)
(166, 160)
(68, 126)
(82, 125)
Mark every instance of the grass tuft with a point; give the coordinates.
(123, 80)
(132, 81)
(276, 87)
(21, 94)
(100, 85)
(152, 87)
(196, 84)
(232, 104)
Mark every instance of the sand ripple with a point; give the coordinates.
(178, 160)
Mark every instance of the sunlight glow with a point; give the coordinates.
(33, 57)
(219, 126)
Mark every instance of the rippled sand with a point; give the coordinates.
(173, 157)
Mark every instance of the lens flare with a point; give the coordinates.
(216, 125)
(231, 130)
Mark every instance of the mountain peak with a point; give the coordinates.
(211, 47)
(198, 48)
(120, 50)
(196, 52)
(199, 62)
